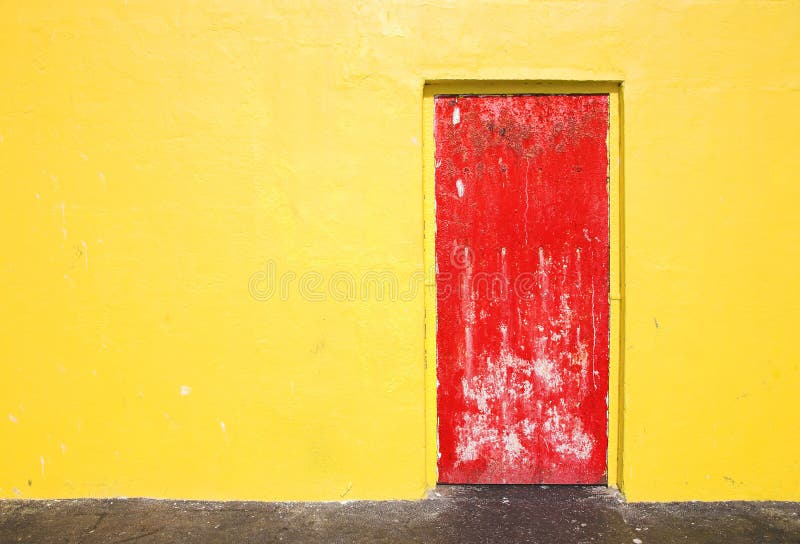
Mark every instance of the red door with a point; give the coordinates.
(522, 249)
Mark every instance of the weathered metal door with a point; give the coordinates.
(522, 249)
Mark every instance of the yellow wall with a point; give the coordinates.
(155, 155)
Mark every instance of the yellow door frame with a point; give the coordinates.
(616, 231)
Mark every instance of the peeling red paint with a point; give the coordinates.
(522, 254)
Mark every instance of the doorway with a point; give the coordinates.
(524, 303)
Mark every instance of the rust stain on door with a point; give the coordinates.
(522, 249)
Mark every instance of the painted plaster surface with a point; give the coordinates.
(155, 155)
(522, 257)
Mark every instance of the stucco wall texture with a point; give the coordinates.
(155, 155)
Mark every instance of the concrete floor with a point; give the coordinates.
(457, 514)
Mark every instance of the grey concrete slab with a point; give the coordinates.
(452, 514)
